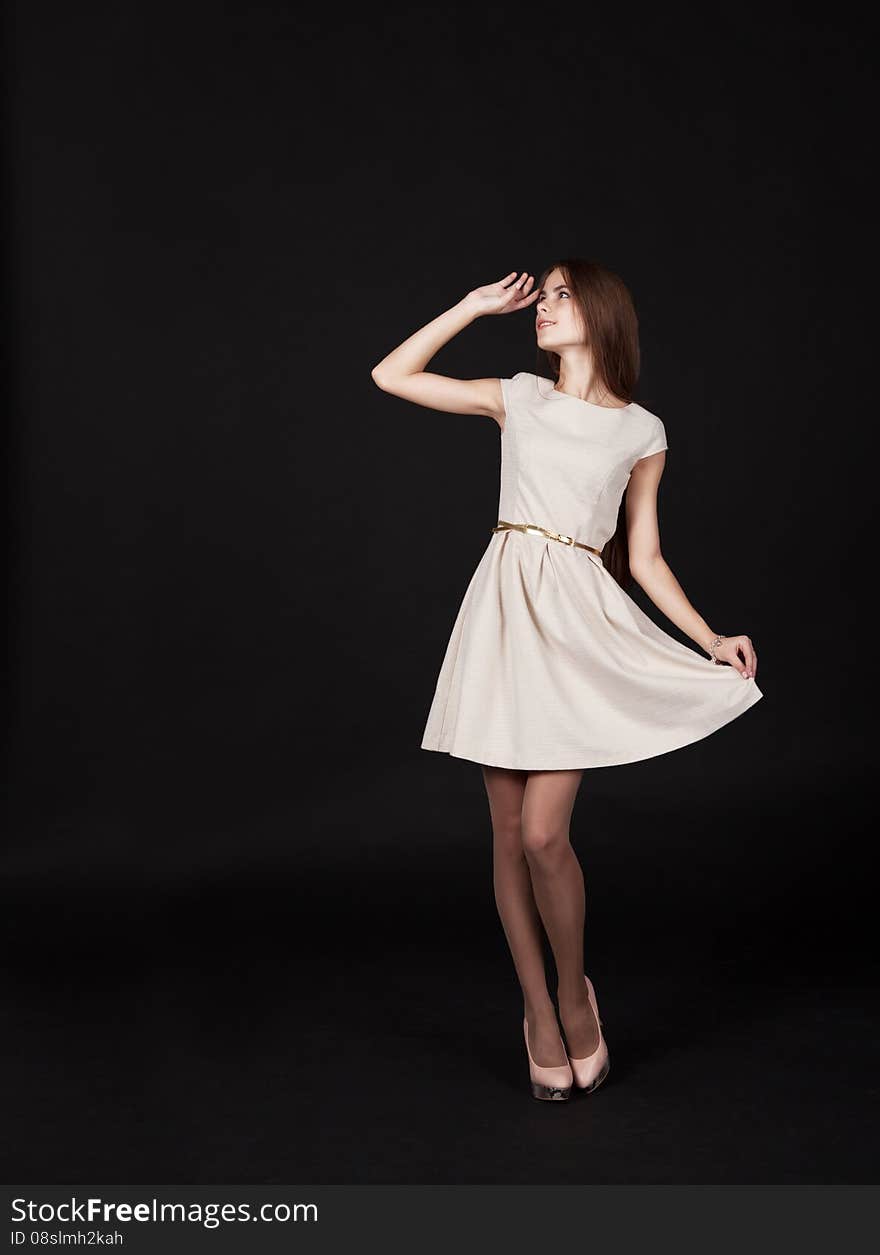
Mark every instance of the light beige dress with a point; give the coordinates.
(550, 663)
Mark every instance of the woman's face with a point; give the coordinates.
(557, 320)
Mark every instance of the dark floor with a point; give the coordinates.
(247, 1016)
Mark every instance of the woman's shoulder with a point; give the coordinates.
(524, 390)
(652, 432)
(648, 417)
(526, 379)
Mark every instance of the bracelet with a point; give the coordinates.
(712, 646)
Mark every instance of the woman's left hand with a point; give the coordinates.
(740, 653)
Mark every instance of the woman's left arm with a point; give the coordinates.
(650, 571)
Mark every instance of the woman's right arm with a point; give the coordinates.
(402, 372)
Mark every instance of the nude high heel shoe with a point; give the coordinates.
(553, 1083)
(591, 1071)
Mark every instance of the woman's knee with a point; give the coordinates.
(544, 843)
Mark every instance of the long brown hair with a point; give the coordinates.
(612, 334)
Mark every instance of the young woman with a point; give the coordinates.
(551, 667)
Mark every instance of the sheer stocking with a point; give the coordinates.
(538, 880)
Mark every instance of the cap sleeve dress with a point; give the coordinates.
(550, 664)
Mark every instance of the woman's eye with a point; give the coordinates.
(563, 294)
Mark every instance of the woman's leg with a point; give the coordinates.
(558, 885)
(519, 914)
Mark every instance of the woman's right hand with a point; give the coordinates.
(503, 297)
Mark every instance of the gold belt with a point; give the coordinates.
(534, 530)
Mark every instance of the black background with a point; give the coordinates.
(249, 922)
